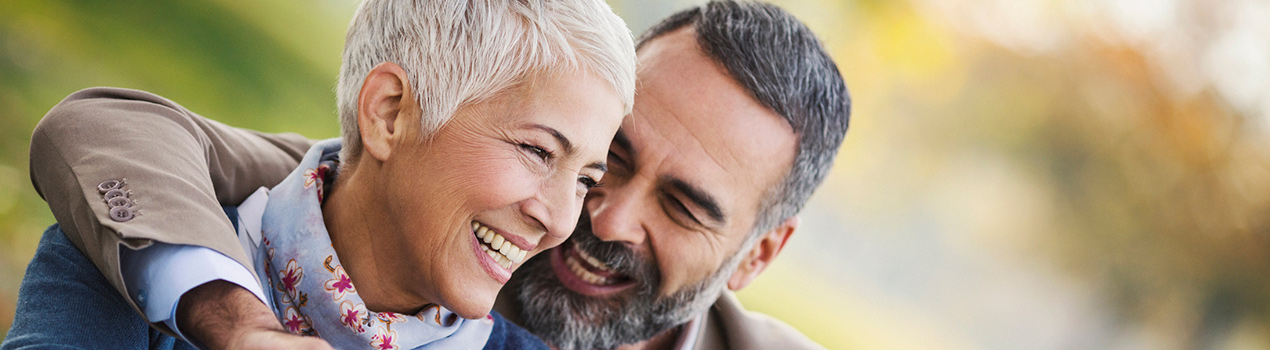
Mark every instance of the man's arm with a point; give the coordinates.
(223, 318)
(86, 313)
(175, 167)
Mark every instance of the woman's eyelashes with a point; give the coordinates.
(546, 156)
(588, 182)
(542, 153)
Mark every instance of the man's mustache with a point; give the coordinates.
(619, 256)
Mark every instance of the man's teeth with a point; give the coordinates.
(585, 274)
(592, 260)
(498, 248)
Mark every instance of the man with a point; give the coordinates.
(737, 119)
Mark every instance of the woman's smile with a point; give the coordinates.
(497, 250)
(506, 248)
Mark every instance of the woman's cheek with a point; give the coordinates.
(508, 187)
(549, 242)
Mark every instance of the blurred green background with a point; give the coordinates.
(1020, 174)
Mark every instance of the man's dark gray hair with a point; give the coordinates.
(784, 67)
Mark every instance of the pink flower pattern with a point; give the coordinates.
(390, 317)
(290, 277)
(354, 316)
(340, 285)
(316, 176)
(384, 339)
(294, 321)
(312, 177)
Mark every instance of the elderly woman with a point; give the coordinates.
(471, 131)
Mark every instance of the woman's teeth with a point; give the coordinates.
(498, 248)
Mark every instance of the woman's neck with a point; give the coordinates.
(350, 214)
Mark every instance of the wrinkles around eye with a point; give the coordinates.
(540, 152)
(679, 213)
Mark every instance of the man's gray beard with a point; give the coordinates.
(569, 320)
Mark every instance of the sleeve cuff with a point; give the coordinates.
(156, 277)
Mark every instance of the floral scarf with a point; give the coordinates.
(312, 294)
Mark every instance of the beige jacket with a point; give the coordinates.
(730, 326)
(179, 168)
(176, 167)
(727, 326)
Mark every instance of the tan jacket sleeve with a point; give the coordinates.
(177, 167)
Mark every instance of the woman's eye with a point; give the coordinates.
(538, 151)
(588, 183)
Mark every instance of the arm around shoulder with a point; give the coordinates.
(173, 168)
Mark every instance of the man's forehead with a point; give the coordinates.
(708, 128)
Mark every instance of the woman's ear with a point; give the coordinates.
(383, 105)
(763, 253)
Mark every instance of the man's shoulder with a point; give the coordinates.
(730, 326)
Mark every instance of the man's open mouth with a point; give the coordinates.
(585, 274)
(497, 246)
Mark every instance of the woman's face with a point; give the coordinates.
(503, 180)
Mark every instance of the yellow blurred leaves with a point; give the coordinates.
(896, 43)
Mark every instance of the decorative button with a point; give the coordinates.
(119, 202)
(121, 214)
(111, 194)
(108, 185)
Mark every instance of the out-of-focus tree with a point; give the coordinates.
(1147, 121)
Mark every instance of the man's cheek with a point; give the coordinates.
(681, 266)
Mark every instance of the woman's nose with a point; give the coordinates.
(616, 214)
(560, 206)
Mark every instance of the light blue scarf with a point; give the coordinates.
(312, 294)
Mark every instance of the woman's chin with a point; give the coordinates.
(473, 305)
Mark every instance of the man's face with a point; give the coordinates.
(687, 172)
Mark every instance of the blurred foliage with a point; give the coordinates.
(1162, 201)
(1079, 136)
(248, 64)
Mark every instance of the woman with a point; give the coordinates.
(471, 132)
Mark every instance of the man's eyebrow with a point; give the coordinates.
(621, 141)
(698, 197)
(564, 141)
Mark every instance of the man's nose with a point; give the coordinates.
(616, 215)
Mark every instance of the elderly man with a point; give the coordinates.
(737, 118)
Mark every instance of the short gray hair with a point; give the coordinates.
(779, 61)
(458, 52)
